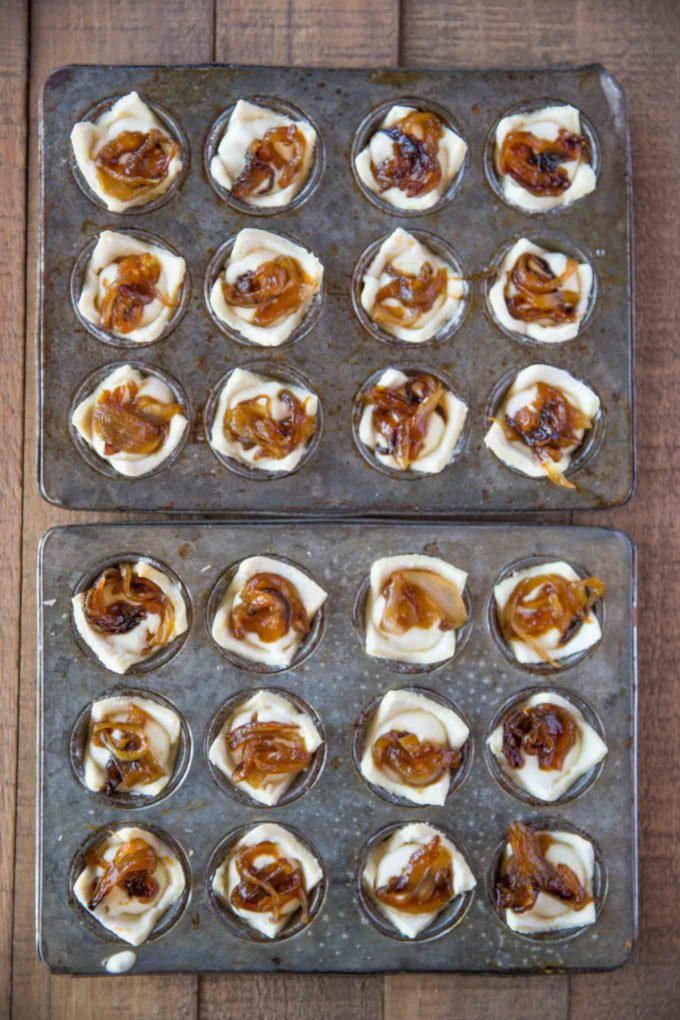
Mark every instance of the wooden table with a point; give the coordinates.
(639, 41)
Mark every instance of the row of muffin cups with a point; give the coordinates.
(368, 126)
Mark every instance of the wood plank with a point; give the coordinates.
(64, 31)
(442, 996)
(13, 86)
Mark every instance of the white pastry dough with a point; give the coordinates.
(243, 385)
(226, 877)
(580, 281)
(161, 728)
(251, 248)
(279, 653)
(546, 123)
(443, 431)
(120, 651)
(129, 113)
(429, 721)
(588, 634)
(249, 123)
(404, 253)
(127, 916)
(523, 393)
(548, 912)
(551, 784)
(132, 465)
(264, 706)
(392, 856)
(103, 270)
(417, 645)
(451, 154)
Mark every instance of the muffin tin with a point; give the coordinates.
(338, 813)
(336, 220)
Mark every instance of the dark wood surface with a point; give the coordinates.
(639, 41)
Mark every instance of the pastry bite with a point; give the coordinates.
(545, 612)
(132, 421)
(410, 292)
(413, 875)
(541, 423)
(541, 294)
(268, 879)
(411, 159)
(131, 747)
(411, 422)
(130, 612)
(130, 881)
(545, 880)
(126, 155)
(413, 747)
(265, 745)
(414, 607)
(266, 287)
(544, 745)
(264, 422)
(264, 158)
(132, 287)
(543, 159)
(267, 612)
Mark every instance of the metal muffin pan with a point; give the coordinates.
(339, 813)
(337, 221)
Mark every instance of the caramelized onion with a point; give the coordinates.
(134, 286)
(134, 161)
(528, 872)
(415, 295)
(546, 731)
(403, 758)
(426, 883)
(276, 289)
(132, 868)
(262, 749)
(132, 762)
(269, 606)
(268, 888)
(273, 160)
(548, 602)
(120, 599)
(421, 598)
(401, 416)
(252, 424)
(131, 422)
(414, 165)
(539, 296)
(535, 163)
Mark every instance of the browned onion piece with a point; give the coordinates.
(414, 165)
(545, 731)
(268, 888)
(426, 883)
(416, 294)
(535, 163)
(401, 416)
(120, 599)
(275, 160)
(134, 286)
(262, 749)
(269, 606)
(131, 423)
(403, 758)
(132, 762)
(276, 289)
(546, 602)
(132, 868)
(539, 296)
(134, 161)
(528, 872)
(252, 424)
(416, 597)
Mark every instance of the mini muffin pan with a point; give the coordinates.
(333, 348)
(334, 809)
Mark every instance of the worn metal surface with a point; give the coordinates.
(339, 813)
(338, 223)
